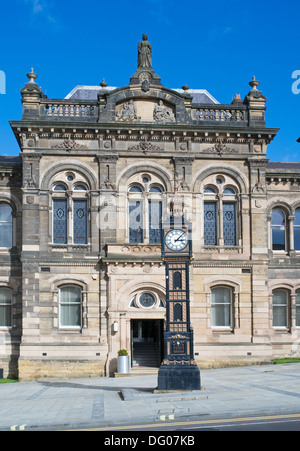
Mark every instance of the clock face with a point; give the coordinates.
(176, 240)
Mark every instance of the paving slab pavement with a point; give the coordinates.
(113, 402)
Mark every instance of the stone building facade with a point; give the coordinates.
(81, 273)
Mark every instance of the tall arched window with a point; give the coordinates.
(280, 308)
(144, 211)
(278, 227)
(5, 307)
(220, 214)
(221, 307)
(70, 210)
(70, 305)
(297, 230)
(5, 226)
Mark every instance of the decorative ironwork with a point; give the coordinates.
(60, 221)
(210, 224)
(80, 221)
(229, 224)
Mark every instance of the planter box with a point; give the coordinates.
(123, 364)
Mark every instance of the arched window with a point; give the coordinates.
(297, 230)
(210, 191)
(80, 188)
(278, 227)
(145, 211)
(178, 312)
(70, 211)
(228, 191)
(221, 307)
(70, 305)
(135, 189)
(220, 216)
(60, 187)
(5, 226)
(210, 224)
(5, 307)
(177, 280)
(280, 308)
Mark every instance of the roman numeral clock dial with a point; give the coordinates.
(176, 240)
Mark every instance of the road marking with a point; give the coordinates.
(16, 427)
(205, 422)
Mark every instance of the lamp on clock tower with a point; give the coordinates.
(178, 370)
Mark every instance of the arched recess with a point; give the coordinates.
(280, 205)
(128, 290)
(69, 165)
(211, 169)
(164, 174)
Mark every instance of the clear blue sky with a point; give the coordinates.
(215, 45)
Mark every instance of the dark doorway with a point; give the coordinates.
(146, 343)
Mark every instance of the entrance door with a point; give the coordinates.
(146, 343)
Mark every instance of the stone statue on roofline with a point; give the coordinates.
(145, 52)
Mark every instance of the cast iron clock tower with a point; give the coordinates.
(178, 370)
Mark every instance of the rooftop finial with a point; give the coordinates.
(254, 83)
(103, 84)
(32, 76)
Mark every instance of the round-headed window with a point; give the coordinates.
(147, 300)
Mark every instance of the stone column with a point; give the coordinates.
(291, 247)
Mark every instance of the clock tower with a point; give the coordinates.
(178, 370)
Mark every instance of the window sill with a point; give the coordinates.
(73, 329)
(281, 329)
(223, 249)
(222, 330)
(280, 252)
(70, 247)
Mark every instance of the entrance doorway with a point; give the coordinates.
(146, 343)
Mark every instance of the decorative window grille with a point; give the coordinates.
(80, 222)
(60, 221)
(210, 224)
(229, 224)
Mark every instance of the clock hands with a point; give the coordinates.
(178, 239)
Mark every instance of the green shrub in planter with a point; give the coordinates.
(123, 352)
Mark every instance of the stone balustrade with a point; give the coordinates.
(64, 109)
(220, 113)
